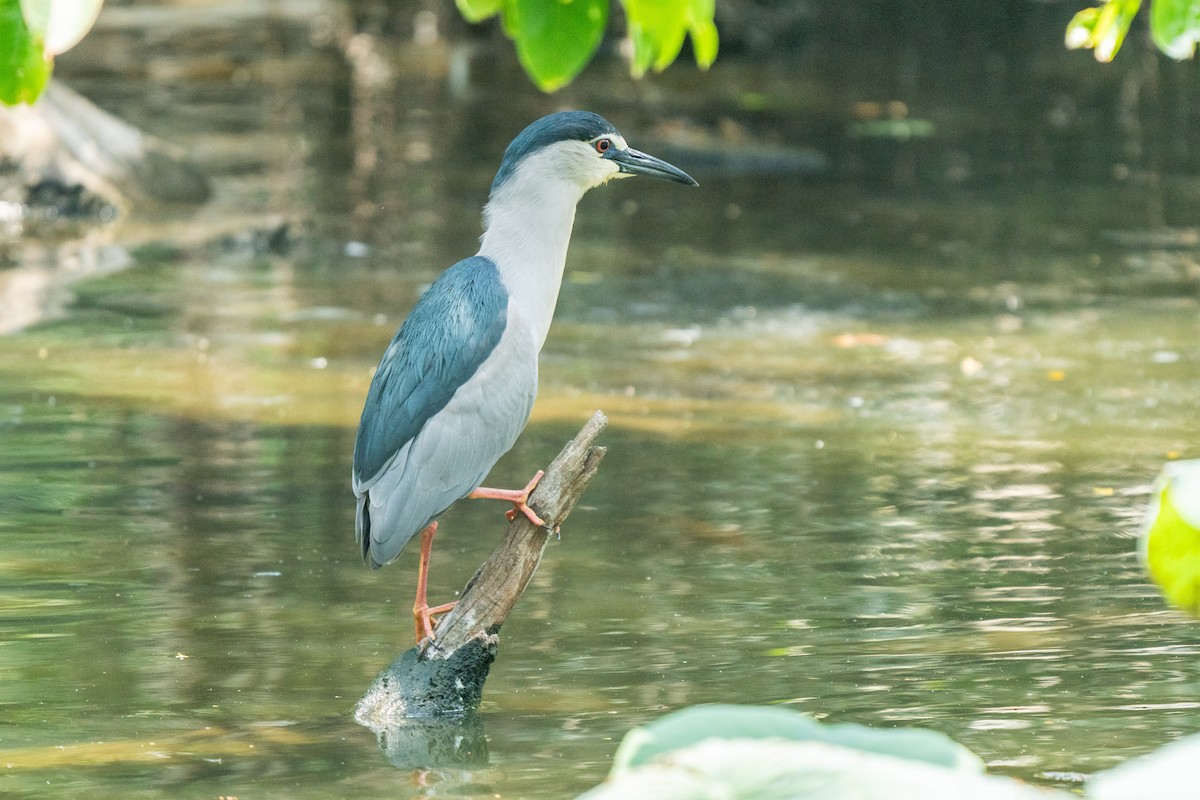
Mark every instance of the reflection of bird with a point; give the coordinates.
(457, 383)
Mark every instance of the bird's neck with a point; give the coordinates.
(527, 230)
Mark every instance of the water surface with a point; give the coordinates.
(879, 451)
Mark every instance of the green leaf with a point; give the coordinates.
(657, 29)
(692, 725)
(555, 39)
(24, 69)
(1175, 26)
(705, 43)
(60, 23)
(1079, 29)
(1102, 29)
(1170, 541)
(779, 769)
(479, 10)
(703, 30)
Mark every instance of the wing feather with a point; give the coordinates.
(454, 326)
(405, 472)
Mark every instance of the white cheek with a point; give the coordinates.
(607, 170)
(578, 162)
(589, 169)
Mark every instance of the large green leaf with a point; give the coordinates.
(727, 752)
(1168, 773)
(779, 769)
(1175, 26)
(692, 725)
(555, 39)
(1170, 541)
(24, 69)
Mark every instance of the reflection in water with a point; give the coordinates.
(878, 453)
(40, 286)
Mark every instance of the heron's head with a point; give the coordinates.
(580, 148)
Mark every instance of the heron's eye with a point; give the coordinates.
(603, 145)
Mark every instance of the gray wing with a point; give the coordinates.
(451, 331)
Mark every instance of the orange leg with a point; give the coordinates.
(422, 613)
(517, 497)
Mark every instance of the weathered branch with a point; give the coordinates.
(491, 594)
(445, 677)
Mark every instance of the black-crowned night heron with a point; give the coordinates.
(457, 383)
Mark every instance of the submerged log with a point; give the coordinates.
(444, 678)
(73, 156)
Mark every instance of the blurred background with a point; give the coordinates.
(887, 394)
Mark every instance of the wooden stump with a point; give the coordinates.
(444, 678)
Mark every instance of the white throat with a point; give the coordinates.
(527, 228)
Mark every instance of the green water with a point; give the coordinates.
(878, 452)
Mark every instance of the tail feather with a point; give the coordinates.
(362, 530)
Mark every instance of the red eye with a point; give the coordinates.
(603, 145)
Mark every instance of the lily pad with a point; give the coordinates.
(778, 769)
(694, 725)
(1166, 774)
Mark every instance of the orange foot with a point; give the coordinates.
(423, 615)
(517, 497)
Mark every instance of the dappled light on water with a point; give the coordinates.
(879, 450)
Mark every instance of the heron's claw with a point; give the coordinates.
(423, 616)
(517, 497)
(529, 513)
